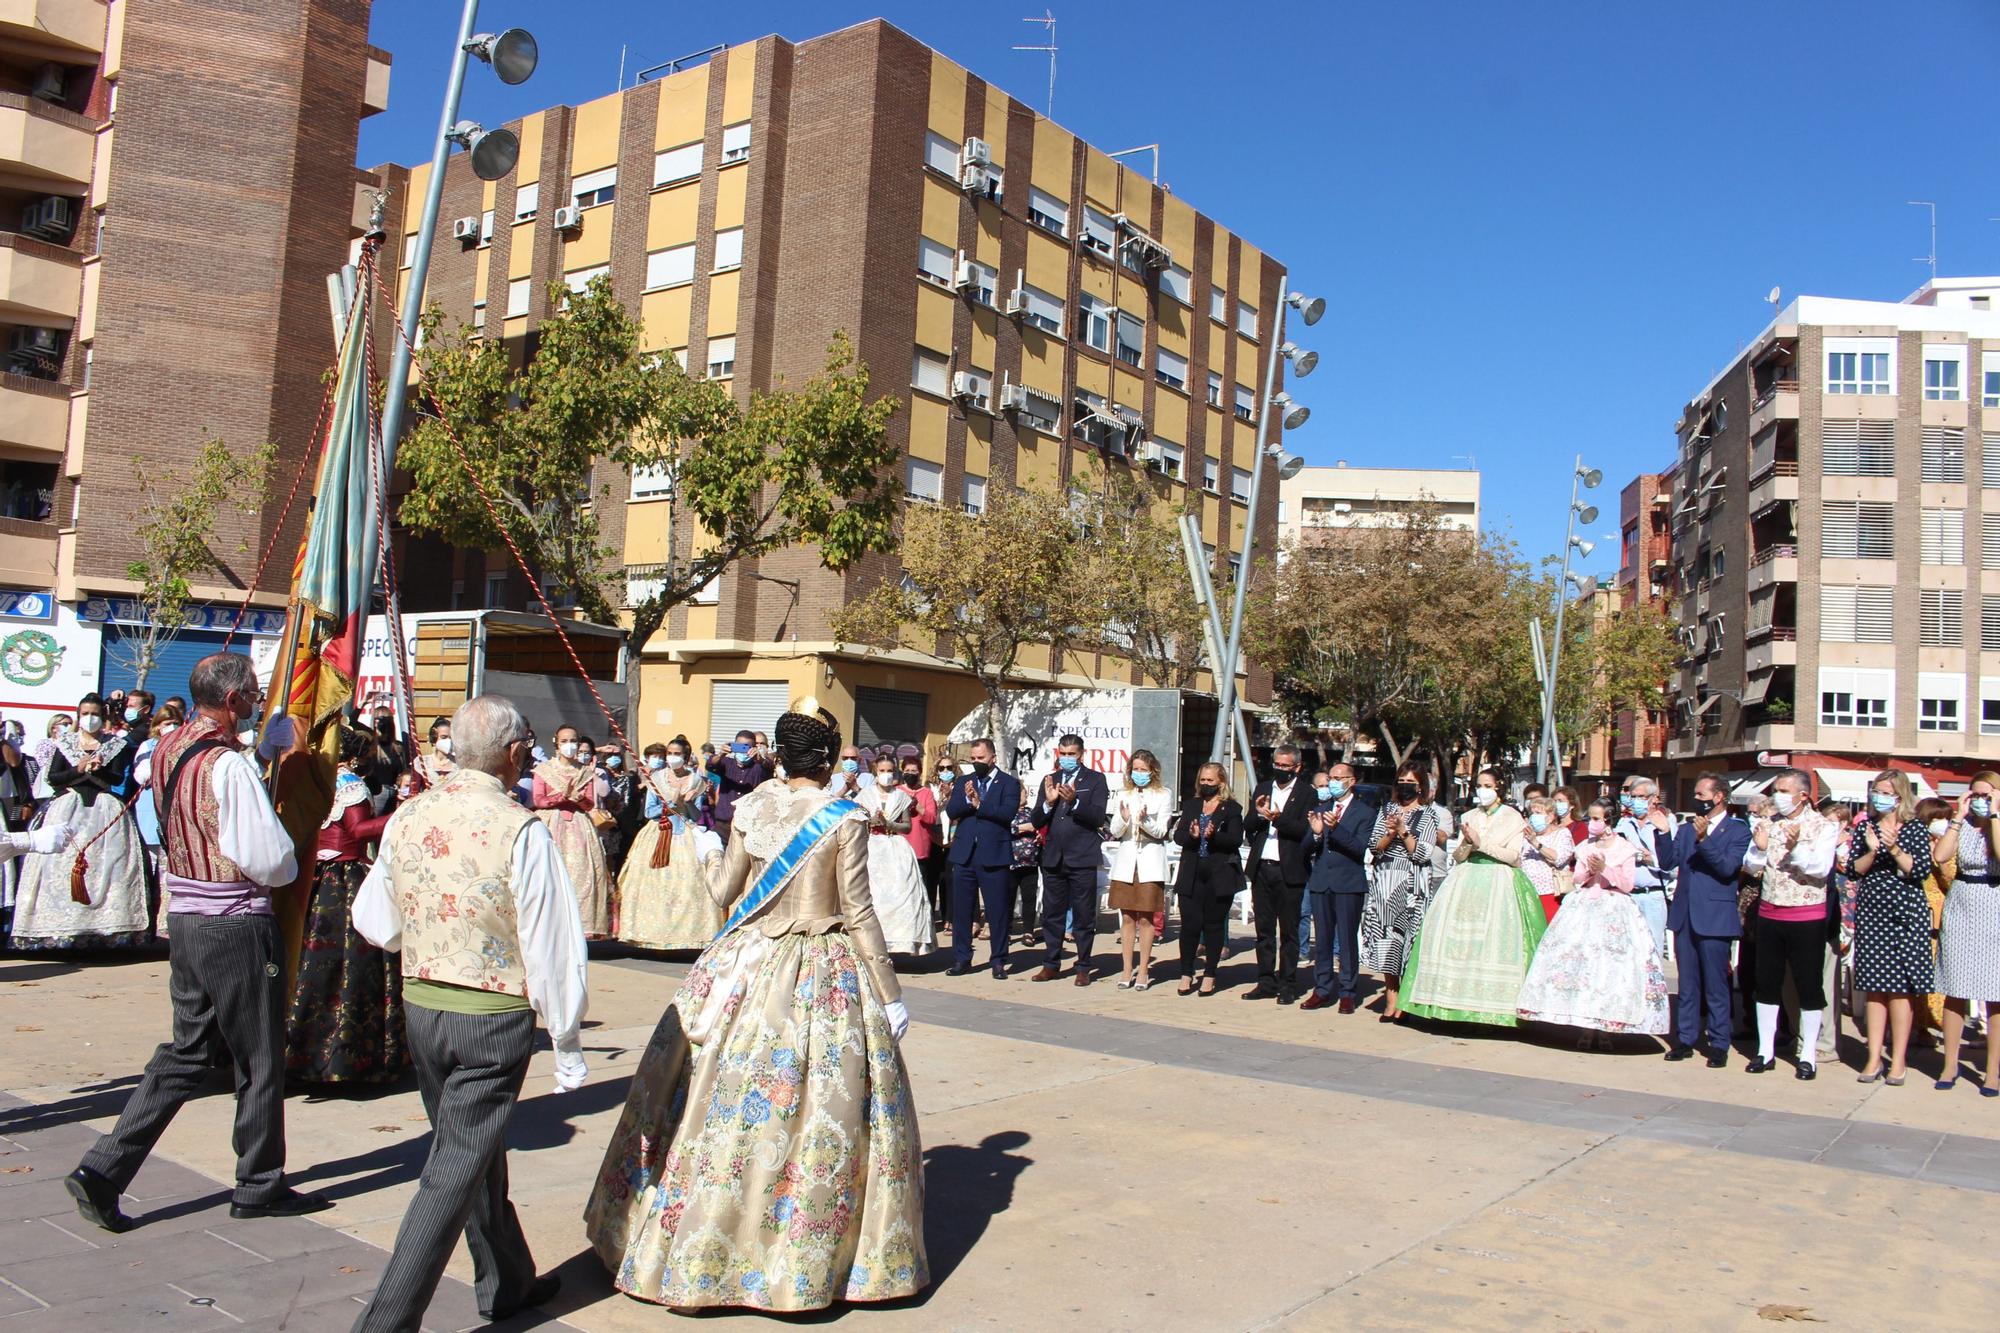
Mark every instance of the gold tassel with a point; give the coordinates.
(663, 846)
(79, 891)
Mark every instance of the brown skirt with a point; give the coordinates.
(1145, 896)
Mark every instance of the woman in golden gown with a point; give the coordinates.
(664, 901)
(564, 795)
(768, 1155)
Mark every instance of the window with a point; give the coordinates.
(517, 297)
(1170, 368)
(677, 165)
(579, 278)
(527, 199)
(670, 267)
(1989, 705)
(1131, 339)
(1100, 233)
(486, 227)
(1943, 537)
(1944, 454)
(1211, 474)
(1042, 310)
(936, 261)
(652, 481)
(1173, 459)
(735, 143)
(1178, 283)
(975, 495)
(1246, 319)
(1944, 374)
(496, 592)
(728, 249)
(1852, 698)
(722, 357)
(925, 481)
(1857, 448)
(1989, 394)
(1989, 623)
(1039, 410)
(1857, 615)
(978, 281)
(478, 319)
(931, 373)
(1940, 701)
(1941, 617)
(1239, 484)
(1860, 365)
(1214, 389)
(1246, 403)
(1989, 541)
(594, 188)
(1093, 321)
(1092, 422)
(1857, 530)
(409, 249)
(941, 154)
(1048, 212)
(1218, 305)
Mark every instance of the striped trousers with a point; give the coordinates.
(469, 1070)
(227, 987)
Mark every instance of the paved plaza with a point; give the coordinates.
(1095, 1158)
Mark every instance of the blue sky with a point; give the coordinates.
(1540, 227)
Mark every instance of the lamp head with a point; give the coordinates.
(1289, 465)
(493, 152)
(1585, 584)
(1590, 477)
(1302, 360)
(1583, 546)
(513, 53)
(1587, 514)
(1310, 308)
(1293, 415)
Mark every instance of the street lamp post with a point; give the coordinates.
(1548, 757)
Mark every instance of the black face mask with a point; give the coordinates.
(913, 779)
(1283, 775)
(1406, 791)
(1207, 790)
(982, 770)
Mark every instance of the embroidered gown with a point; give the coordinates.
(1596, 966)
(345, 1022)
(670, 906)
(768, 1155)
(1479, 934)
(118, 914)
(563, 795)
(895, 881)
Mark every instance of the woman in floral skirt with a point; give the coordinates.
(664, 898)
(768, 1155)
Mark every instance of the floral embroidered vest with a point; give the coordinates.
(1783, 887)
(191, 828)
(450, 854)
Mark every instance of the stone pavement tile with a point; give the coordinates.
(15, 1301)
(1883, 1148)
(132, 1259)
(150, 1307)
(39, 1237)
(44, 1197)
(1714, 1113)
(277, 1237)
(249, 1288)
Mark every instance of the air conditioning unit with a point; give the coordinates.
(1013, 397)
(51, 219)
(964, 274)
(1150, 453)
(51, 83)
(1017, 304)
(568, 218)
(465, 229)
(980, 182)
(977, 152)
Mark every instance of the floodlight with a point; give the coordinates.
(513, 53)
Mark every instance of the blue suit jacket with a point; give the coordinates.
(1339, 854)
(1076, 828)
(983, 835)
(1705, 901)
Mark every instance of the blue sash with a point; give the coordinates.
(820, 823)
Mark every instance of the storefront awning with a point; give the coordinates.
(1742, 789)
(1844, 784)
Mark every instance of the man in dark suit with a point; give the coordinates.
(1341, 825)
(1071, 808)
(1276, 830)
(981, 809)
(1708, 851)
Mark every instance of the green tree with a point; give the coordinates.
(1140, 580)
(176, 529)
(1631, 655)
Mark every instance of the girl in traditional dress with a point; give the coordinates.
(768, 1154)
(564, 796)
(1479, 934)
(90, 773)
(664, 892)
(1597, 968)
(1408, 865)
(346, 1018)
(895, 880)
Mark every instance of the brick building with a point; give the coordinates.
(176, 181)
(1645, 574)
(1030, 303)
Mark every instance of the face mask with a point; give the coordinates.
(246, 737)
(1539, 822)
(675, 761)
(1207, 790)
(1283, 776)
(850, 766)
(1981, 806)
(1881, 804)
(1938, 827)
(91, 725)
(614, 761)
(1782, 802)
(131, 715)
(1141, 778)
(406, 792)
(656, 762)
(1486, 796)
(1562, 809)
(444, 745)
(981, 770)
(166, 730)
(1634, 805)
(64, 728)
(913, 779)
(1597, 828)
(1067, 762)
(947, 773)
(1406, 791)
(1338, 789)
(567, 749)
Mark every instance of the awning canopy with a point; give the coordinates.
(1742, 789)
(1851, 784)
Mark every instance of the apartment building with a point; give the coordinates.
(1315, 503)
(1645, 577)
(1036, 308)
(1836, 537)
(176, 180)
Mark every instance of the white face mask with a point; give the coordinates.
(91, 725)
(567, 749)
(1782, 802)
(1938, 827)
(675, 761)
(1486, 796)
(444, 745)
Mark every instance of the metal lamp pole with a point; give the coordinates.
(1549, 734)
(420, 262)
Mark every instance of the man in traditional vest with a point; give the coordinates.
(470, 888)
(225, 853)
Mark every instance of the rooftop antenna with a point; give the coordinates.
(1930, 258)
(1152, 148)
(1048, 21)
(1773, 296)
(621, 63)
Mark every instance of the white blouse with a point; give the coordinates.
(1141, 821)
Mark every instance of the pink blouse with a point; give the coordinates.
(1605, 864)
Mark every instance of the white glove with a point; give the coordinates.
(51, 838)
(899, 1018)
(277, 738)
(570, 1068)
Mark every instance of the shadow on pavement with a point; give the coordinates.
(92, 1101)
(974, 1184)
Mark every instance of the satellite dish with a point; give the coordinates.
(1289, 464)
(1772, 296)
(493, 153)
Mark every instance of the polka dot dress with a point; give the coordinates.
(1969, 940)
(1892, 918)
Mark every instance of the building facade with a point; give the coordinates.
(1036, 309)
(1315, 503)
(1645, 577)
(170, 206)
(1836, 537)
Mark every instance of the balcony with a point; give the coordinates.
(44, 147)
(40, 284)
(1773, 565)
(1778, 485)
(34, 414)
(27, 553)
(1770, 736)
(66, 31)
(1779, 402)
(1779, 648)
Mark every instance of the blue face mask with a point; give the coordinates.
(1067, 762)
(656, 762)
(1881, 804)
(1141, 778)
(1337, 788)
(1327, 793)
(850, 766)
(1981, 806)
(1539, 821)
(1634, 805)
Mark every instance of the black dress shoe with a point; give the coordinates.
(1806, 1072)
(289, 1204)
(1681, 1053)
(1760, 1066)
(958, 970)
(1288, 997)
(1260, 993)
(1718, 1056)
(96, 1199)
(999, 973)
(540, 1292)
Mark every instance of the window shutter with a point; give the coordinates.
(1857, 448)
(1944, 454)
(1874, 615)
(1943, 537)
(1989, 460)
(1836, 615)
(1838, 537)
(1940, 621)
(744, 705)
(1989, 623)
